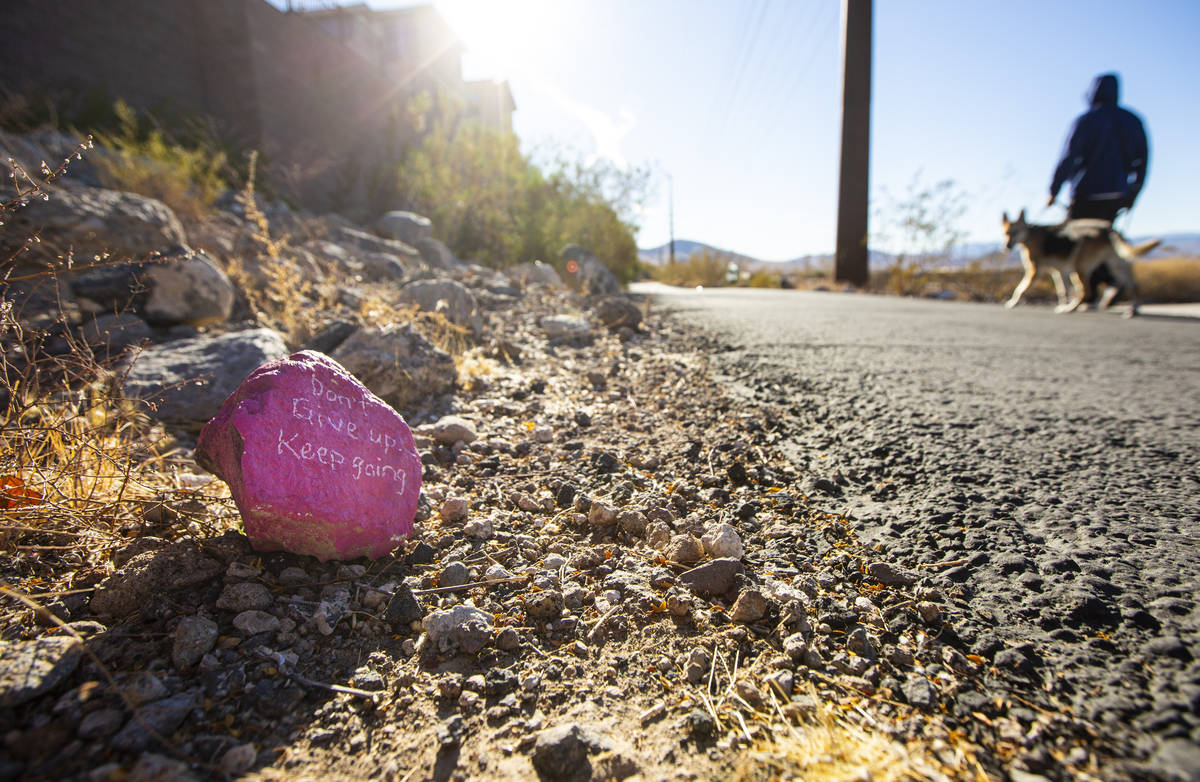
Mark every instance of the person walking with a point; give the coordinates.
(1105, 160)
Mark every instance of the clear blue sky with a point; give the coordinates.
(739, 102)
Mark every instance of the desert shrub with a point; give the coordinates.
(79, 464)
(490, 202)
(1168, 279)
(142, 158)
(706, 268)
(285, 301)
(764, 279)
(922, 227)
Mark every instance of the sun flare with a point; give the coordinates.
(500, 34)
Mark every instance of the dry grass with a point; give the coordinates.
(81, 469)
(1169, 279)
(287, 301)
(1159, 280)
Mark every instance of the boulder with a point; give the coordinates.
(436, 254)
(315, 462)
(111, 334)
(450, 298)
(187, 380)
(586, 274)
(183, 287)
(354, 239)
(617, 312)
(384, 267)
(93, 221)
(536, 273)
(32, 668)
(407, 227)
(398, 364)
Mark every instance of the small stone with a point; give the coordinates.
(238, 760)
(101, 723)
(450, 430)
(859, 642)
(658, 535)
(157, 768)
(466, 628)
(143, 687)
(479, 529)
(162, 716)
(601, 515)
(508, 640)
(920, 692)
(712, 578)
(684, 549)
(563, 753)
(195, 636)
(244, 596)
(542, 434)
(632, 521)
(403, 609)
(369, 679)
(32, 668)
(750, 606)
(929, 612)
(454, 574)
(554, 561)
(293, 576)
(238, 571)
(722, 542)
(496, 573)
(545, 605)
(453, 510)
(890, 575)
(254, 622)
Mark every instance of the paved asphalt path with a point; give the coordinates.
(1056, 456)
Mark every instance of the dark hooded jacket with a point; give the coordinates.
(1106, 155)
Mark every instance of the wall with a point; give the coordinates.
(318, 111)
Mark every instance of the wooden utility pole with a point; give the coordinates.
(850, 262)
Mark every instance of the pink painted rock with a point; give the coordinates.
(316, 463)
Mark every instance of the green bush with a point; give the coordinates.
(490, 202)
(140, 158)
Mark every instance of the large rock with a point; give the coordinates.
(316, 463)
(407, 227)
(617, 312)
(111, 334)
(398, 364)
(93, 221)
(149, 575)
(586, 274)
(355, 239)
(32, 668)
(182, 287)
(450, 298)
(436, 254)
(187, 380)
(536, 273)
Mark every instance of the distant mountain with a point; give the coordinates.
(1187, 244)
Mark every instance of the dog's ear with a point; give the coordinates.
(1021, 217)
(1004, 218)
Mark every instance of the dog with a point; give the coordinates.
(1077, 248)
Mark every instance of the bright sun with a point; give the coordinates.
(499, 34)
